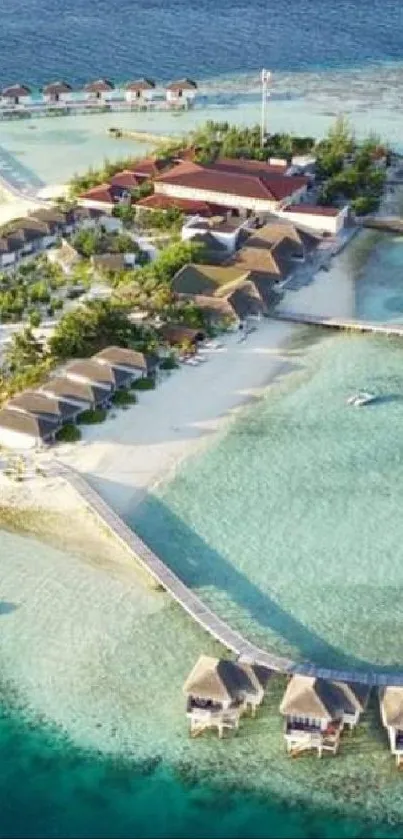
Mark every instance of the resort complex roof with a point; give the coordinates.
(104, 194)
(23, 423)
(392, 706)
(150, 167)
(313, 210)
(264, 187)
(248, 167)
(158, 201)
(205, 279)
(125, 179)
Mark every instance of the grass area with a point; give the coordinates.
(169, 363)
(147, 383)
(69, 433)
(124, 398)
(93, 416)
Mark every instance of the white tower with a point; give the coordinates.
(265, 79)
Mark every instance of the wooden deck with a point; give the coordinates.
(392, 224)
(341, 323)
(194, 606)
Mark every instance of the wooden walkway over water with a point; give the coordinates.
(395, 329)
(193, 605)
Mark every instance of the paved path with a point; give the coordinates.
(205, 617)
(341, 323)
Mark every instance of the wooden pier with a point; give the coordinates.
(384, 224)
(193, 605)
(394, 329)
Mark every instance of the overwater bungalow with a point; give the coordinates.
(218, 691)
(99, 90)
(56, 92)
(391, 707)
(316, 712)
(16, 94)
(181, 92)
(140, 92)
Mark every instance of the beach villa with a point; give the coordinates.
(45, 407)
(391, 707)
(81, 392)
(21, 430)
(140, 92)
(137, 364)
(93, 372)
(218, 691)
(316, 711)
(182, 92)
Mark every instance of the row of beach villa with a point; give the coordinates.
(34, 417)
(20, 100)
(316, 712)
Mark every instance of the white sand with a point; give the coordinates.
(135, 449)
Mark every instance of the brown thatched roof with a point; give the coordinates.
(221, 680)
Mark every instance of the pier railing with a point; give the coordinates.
(194, 606)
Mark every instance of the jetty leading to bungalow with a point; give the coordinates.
(246, 651)
(342, 323)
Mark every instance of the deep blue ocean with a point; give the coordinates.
(46, 39)
(48, 787)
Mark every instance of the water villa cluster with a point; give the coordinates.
(316, 711)
(18, 100)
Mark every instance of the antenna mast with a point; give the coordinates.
(265, 78)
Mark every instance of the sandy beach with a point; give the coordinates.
(134, 450)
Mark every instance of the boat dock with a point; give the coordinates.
(393, 329)
(194, 606)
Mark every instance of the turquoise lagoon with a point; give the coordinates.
(289, 525)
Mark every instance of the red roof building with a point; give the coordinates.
(102, 196)
(257, 190)
(55, 91)
(99, 89)
(125, 180)
(141, 89)
(149, 168)
(163, 202)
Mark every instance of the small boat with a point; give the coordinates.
(362, 398)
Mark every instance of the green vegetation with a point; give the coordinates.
(93, 416)
(94, 177)
(146, 383)
(162, 221)
(220, 139)
(91, 242)
(69, 433)
(124, 397)
(92, 328)
(349, 171)
(169, 363)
